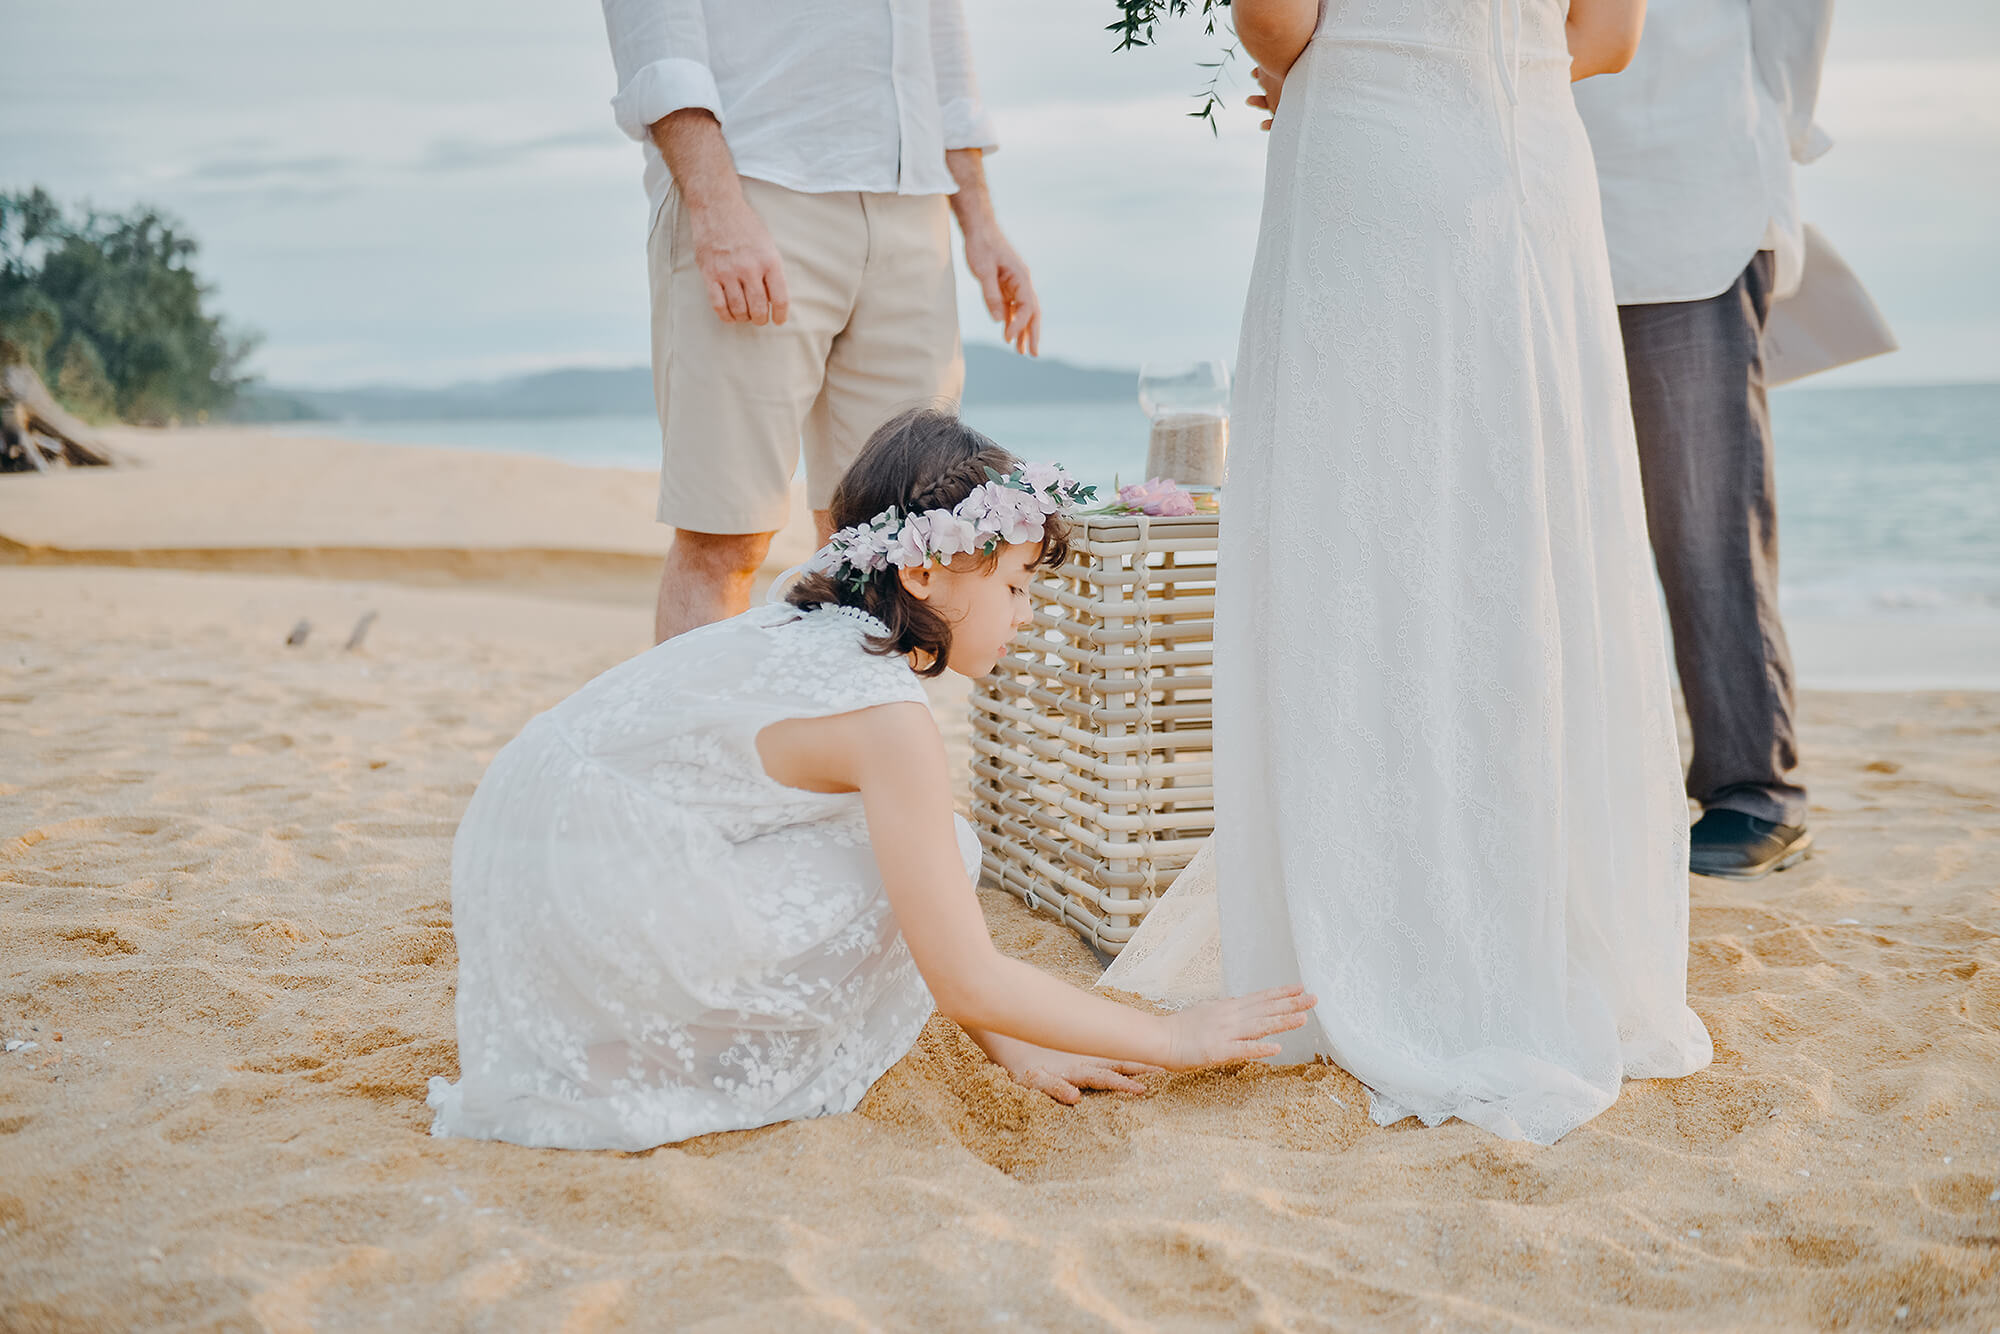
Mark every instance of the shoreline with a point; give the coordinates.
(253, 500)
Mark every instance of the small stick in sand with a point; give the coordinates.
(360, 631)
(298, 634)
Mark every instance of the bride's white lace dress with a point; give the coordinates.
(655, 938)
(1447, 782)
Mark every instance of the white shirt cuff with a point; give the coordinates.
(1817, 141)
(661, 88)
(966, 125)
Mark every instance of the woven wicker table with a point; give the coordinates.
(1092, 771)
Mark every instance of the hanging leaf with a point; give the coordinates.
(1139, 20)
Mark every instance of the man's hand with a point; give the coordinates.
(1003, 278)
(733, 248)
(1010, 293)
(1266, 101)
(740, 263)
(1059, 1074)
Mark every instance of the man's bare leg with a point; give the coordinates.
(707, 578)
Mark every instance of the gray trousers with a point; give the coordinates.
(1705, 460)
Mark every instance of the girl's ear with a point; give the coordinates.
(917, 581)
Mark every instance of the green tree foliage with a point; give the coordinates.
(107, 308)
(82, 384)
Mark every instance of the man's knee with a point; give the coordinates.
(720, 554)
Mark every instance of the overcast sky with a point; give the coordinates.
(428, 191)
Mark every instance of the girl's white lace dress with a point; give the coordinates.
(655, 938)
(1447, 786)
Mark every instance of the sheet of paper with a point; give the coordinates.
(1830, 321)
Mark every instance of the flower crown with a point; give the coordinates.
(1008, 509)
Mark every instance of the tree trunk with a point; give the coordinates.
(32, 409)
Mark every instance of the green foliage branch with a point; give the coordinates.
(1139, 20)
(108, 309)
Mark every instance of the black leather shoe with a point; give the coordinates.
(1735, 846)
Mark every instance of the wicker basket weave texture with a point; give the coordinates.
(1092, 739)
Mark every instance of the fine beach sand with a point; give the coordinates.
(225, 926)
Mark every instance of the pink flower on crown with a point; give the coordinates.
(951, 535)
(977, 504)
(872, 553)
(910, 548)
(855, 546)
(1047, 482)
(1042, 476)
(1012, 516)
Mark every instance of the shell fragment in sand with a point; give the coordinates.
(360, 631)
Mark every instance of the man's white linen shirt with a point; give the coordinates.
(814, 95)
(1695, 142)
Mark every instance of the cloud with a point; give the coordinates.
(1921, 99)
(277, 177)
(253, 170)
(459, 154)
(371, 181)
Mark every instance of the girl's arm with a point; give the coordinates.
(1603, 35)
(894, 756)
(1274, 32)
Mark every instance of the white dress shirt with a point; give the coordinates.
(813, 95)
(1695, 142)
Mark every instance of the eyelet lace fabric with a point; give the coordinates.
(656, 939)
(1447, 782)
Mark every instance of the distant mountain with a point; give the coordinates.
(1000, 375)
(992, 375)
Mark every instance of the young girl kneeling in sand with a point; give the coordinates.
(722, 885)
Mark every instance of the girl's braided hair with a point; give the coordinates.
(922, 459)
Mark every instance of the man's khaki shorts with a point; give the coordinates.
(873, 330)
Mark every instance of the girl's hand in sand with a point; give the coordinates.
(1222, 1031)
(1060, 1074)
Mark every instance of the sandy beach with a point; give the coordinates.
(226, 958)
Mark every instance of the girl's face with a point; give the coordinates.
(983, 607)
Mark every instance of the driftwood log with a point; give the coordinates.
(35, 431)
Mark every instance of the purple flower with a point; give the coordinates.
(1160, 497)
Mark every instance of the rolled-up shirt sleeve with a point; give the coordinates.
(660, 51)
(962, 115)
(1788, 42)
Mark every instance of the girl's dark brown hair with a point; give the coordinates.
(922, 459)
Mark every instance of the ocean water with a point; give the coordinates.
(1888, 498)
